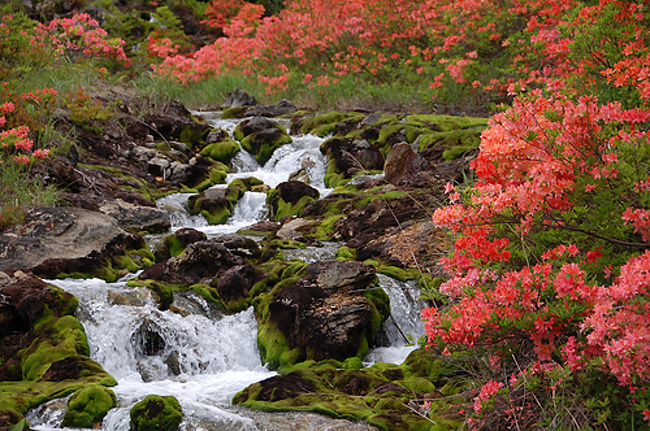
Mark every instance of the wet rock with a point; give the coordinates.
(260, 137)
(405, 166)
(293, 191)
(136, 217)
(65, 240)
(213, 204)
(332, 312)
(239, 98)
(175, 122)
(374, 219)
(204, 260)
(282, 108)
(353, 155)
(290, 198)
(174, 244)
(239, 245)
(23, 300)
(262, 227)
(302, 174)
(234, 285)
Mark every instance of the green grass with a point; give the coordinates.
(206, 93)
(20, 192)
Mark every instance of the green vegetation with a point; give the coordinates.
(156, 413)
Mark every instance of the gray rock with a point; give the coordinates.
(239, 98)
(136, 217)
(72, 237)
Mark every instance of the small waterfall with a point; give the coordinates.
(404, 321)
(176, 205)
(250, 209)
(303, 154)
(201, 357)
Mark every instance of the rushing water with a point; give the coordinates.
(196, 353)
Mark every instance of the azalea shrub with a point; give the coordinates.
(549, 278)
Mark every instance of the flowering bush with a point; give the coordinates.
(550, 272)
(79, 35)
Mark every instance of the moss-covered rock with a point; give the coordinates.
(156, 413)
(88, 406)
(328, 310)
(54, 361)
(261, 137)
(222, 151)
(290, 199)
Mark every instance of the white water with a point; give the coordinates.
(404, 322)
(196, 354)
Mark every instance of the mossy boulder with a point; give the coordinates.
(44, 352)
(219, 146)
(290, 198)
(174, 245)
(352, 156)
(88, 406)
(156, 413)
(333, 310)
(261, 137)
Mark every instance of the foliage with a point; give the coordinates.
(550, 272)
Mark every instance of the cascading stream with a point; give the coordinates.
(196, 353)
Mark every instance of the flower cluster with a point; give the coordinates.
(79, 35)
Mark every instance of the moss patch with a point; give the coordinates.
(222, 151)
(156, 413)
(88, 406)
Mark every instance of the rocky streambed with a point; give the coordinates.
(213, 266)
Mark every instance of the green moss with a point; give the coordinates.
(334, 178)
(232, 112)
(380, 303)
(387, 131)
(274, 347)
(344, 390)
(222, 151)
(444, 123)
(56, 336)
(56, 339)
(262, 147)
(325, 230)
(217, 216)
(346, 253)
(457, 152)
(193, 135)
(324, 124)
(174, 245)
(88, 406)
(156, 413)
(353, 363)
(280, 208)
